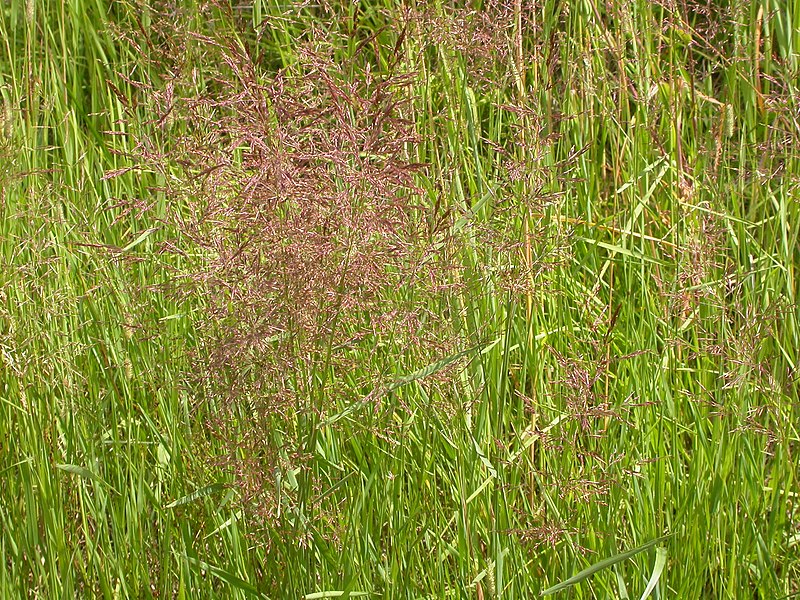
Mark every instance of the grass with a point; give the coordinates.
(522, 299)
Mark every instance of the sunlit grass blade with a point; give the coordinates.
(658, 568)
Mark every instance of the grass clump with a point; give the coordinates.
(399, 300)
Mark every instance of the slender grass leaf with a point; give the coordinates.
(603, 564)
(172, 317)
(405, 380)
(481, 487)
(85, 473)
(432, 368)
(484, 459)
(623, 590)
(142, 237)
(646, 170)
(658, 568)
(197, 494)
(16, 464)
(235, 517)
(232, 580)
(624, 251)
(469, 215)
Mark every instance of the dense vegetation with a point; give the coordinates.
(399, 299)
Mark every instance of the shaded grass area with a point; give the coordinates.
(404, 300)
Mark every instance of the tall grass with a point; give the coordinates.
(406, 300)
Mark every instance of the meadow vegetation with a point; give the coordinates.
(399, 299)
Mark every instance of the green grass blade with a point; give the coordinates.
(197, 494)
(432, 368)
(232, 580)
(142, 237)
(603, 564)
(85, 473)
(658, 568)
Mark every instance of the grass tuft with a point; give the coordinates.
(409, 300)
